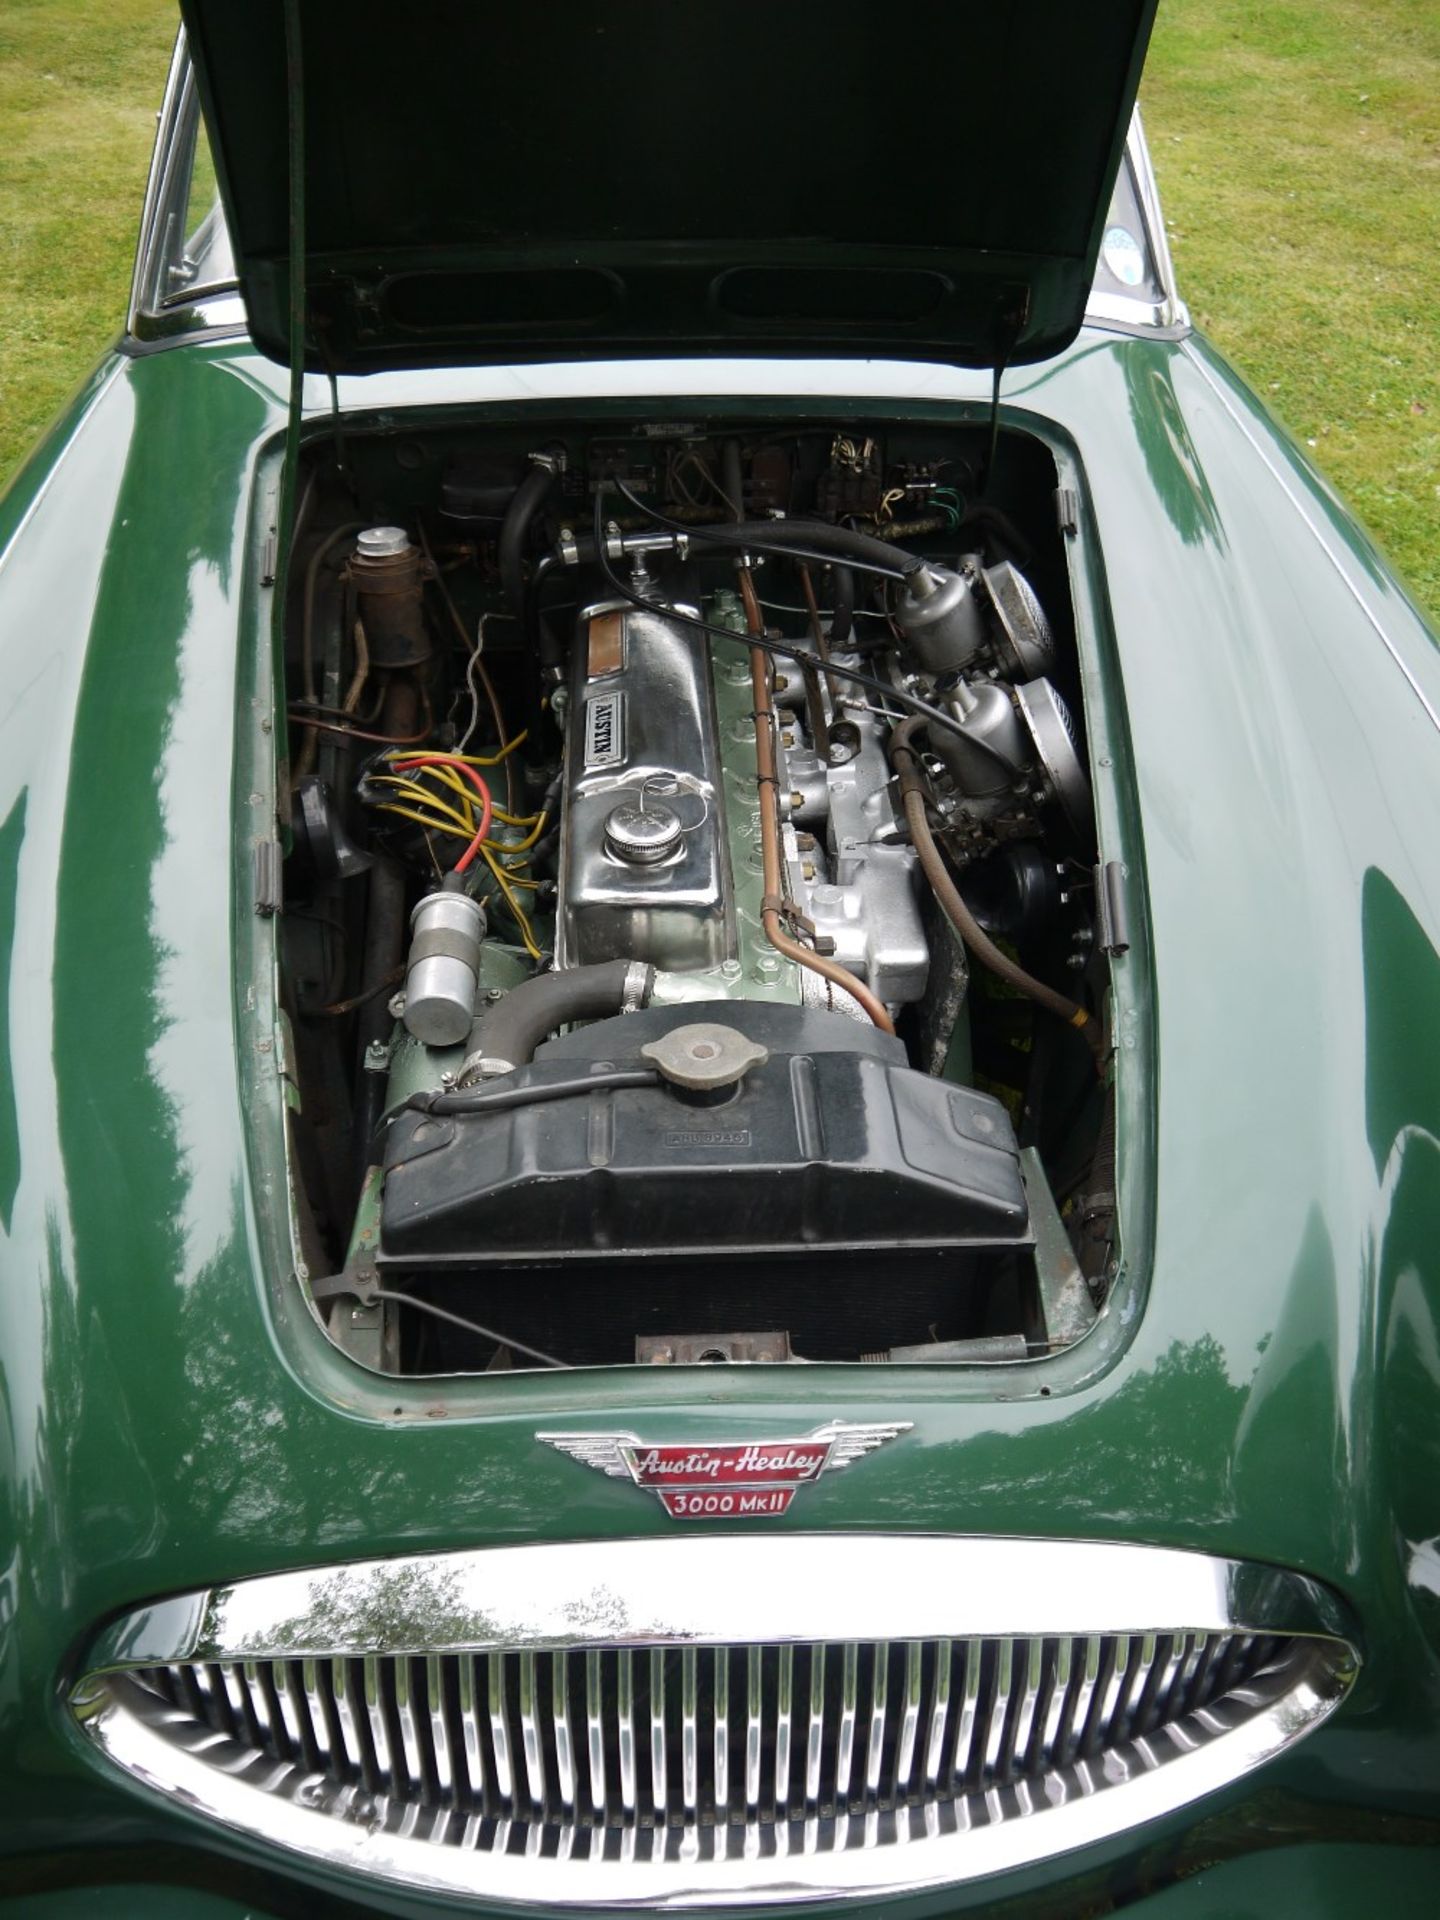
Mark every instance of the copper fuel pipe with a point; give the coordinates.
(773, 900)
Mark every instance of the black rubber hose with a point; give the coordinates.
(513, 1027)
(781, 536)
(531, 494)
(795, 544)
(485, 1099)
(842, 606)
(818, 535)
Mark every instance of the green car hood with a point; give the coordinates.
(172, 1416)
(487, 183)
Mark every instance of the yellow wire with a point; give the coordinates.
(453, 823)
(423, 796)
(451, 778)
(522, 920)
(467, 793)
(417, 792)
(526, 933)
(464, 788)
(505, 882)
(463, 759)
(522, 846)
(421, 820)
(490, 759)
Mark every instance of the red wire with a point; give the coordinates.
(473, 775)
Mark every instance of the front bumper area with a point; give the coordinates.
(721, 1721)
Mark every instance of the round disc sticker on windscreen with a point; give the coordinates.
(1123, 256)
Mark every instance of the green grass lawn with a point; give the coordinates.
(80, 84)
(1298, 153)
(1298, 149)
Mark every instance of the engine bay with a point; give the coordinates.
(691, 934)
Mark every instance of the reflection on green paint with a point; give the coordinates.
(12, 836)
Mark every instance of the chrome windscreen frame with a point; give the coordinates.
(157, 315)
(720, 1590)
(1168, 314)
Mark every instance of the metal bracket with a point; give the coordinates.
(356, 1283)
(823, 943)
(269, 861)
(1111, 911)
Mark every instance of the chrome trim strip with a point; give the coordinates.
(1175, 313)
(690, 1728)
(625, 1709)
(815, 1734)
(754, 1728)
(849, 1705)
(910, 1724)
(564, 1737)
(153, 318)
(784, 1724)
(1168, 315)
(500, 1731)
(940, 1712)
(595, 1730)
(530, 1746)
(720, 1699)
(596, 1602)
(718, 1590)
(658, 1782)
(179, 83)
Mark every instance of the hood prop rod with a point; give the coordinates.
(1011, 314)
(295, 182)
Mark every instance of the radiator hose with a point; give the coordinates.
(514, 1027)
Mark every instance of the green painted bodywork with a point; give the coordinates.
(1265, 1384)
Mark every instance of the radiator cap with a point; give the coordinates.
(704, 1057)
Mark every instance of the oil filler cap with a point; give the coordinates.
(643, 835)
(704, 1059)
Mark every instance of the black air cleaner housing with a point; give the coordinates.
(831, 1145)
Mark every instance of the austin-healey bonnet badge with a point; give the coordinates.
(726, 1479)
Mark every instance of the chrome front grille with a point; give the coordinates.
(574, 1747)
(559, 1726)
